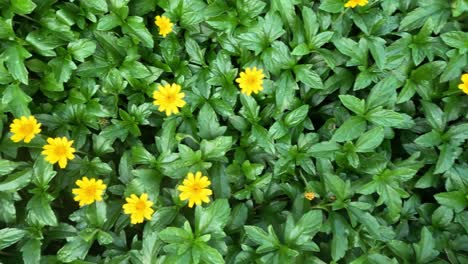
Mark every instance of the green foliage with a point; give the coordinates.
(360, 106)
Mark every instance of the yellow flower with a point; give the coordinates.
(164, 24)
(89, 191)
(464, 85)
(59, 150)
(251, 80)
(354, 3)
(309, 195)
(194, 189)
(169, 98)
(24, 128)
(138, 208)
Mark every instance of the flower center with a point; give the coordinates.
(140, 205)
(91, 191)
(170, 98)
(27, 128)
(196, 188)
(252, 80)
(60, 150)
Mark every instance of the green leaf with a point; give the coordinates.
(336, 185)
(308, 77)
(137, 28)
(301, 50)
(142, 7)
(454, 67)
(358, 106)
(285, 91)
(448, 154)
(81, 49)
(350, 129)
(96, 214)
(175, 235)
(40, 211)
(6, 166)
(389, 118)
(456, 39)
(425, 249)
(321, 39)
(220, 181)
(370, 140)
(213, 218)
(43, 173)
(455, 200)
(142, 156)
(210, 255)
(194, 51)
(98, 6)
(434, 115)
(377, 49)
(310, 24)
(332, 6)
(213, 150)
(442, 217)
(305, 228)
(263, 139)
(295, 117)
(109, 22)
(352, 49)
(14, 56)
(31, 251)
(383, 93)
(62, 67)
(9, 236)
(238, 217)
(272, 26)
(146, 180)
(438, 11)
(367, 220)
(339, 244)
(16, 100)
(430, 139)
(401, 249)
(325, 149)
(428, 71)
(75, 248)
(6, 29)
(16, 181)
(266, 241)
(208, 125)
(163, 217)
(459, 132)
(278, 57)
(22, 7)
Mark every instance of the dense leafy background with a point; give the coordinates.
(360, 106)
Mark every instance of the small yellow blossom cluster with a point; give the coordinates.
(169, 97)
(194, 189)
(57, 150)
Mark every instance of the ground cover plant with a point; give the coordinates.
(233, 131)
